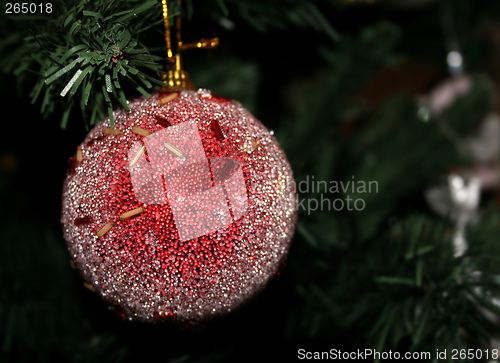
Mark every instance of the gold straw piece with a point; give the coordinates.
(168, 98)
(88, 286)
(140, 131)
(105, 229)
(174, 150)
(79, 155)
(250, 147)
(137, 156)
(131, 213)
(111, 131)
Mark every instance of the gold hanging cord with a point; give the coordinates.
(177, 77)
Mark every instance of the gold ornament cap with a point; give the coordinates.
(176, 76)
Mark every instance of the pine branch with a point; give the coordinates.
(89, 53)
(90, 56)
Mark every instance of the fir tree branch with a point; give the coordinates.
(88, 54)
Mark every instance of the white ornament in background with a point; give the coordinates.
(445, 94)
(458, 200)
(465, 198)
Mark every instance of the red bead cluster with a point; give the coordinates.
(131, 252)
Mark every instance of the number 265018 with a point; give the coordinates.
(28, 8)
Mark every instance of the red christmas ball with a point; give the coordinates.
(182, 210)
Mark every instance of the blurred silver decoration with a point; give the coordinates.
(455, 62)
(465, 198)
(454, 19)
(458, 200)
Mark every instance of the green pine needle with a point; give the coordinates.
(92, 48)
